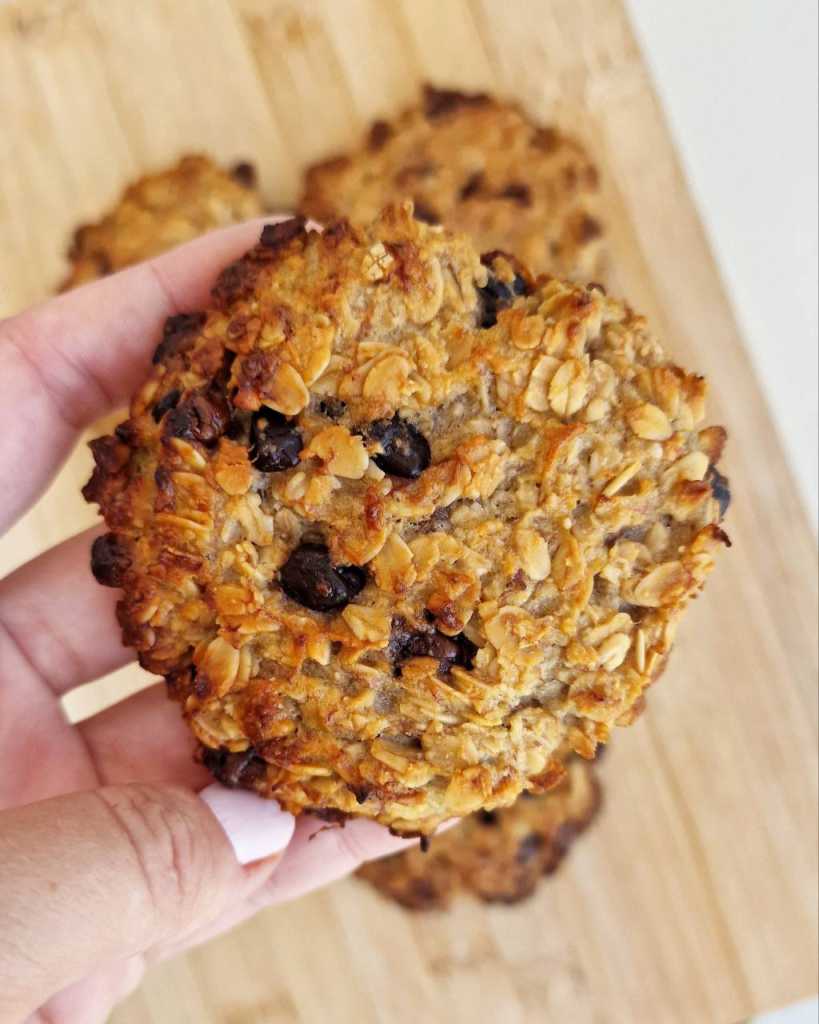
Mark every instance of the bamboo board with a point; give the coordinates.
(694, 899)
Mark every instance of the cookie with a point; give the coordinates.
(395, 520)
(497, 856)
(161, 211)
(479, 166)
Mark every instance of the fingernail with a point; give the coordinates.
(256, 828)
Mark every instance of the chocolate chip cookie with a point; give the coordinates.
(160, 211)
(476, 165)
(498, 856)
(395, 520)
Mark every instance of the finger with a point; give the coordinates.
(69, 360)
(91, 1000)
(320, 853)
(60, 619)
(143, 739)
(317, 855)
(97, 877)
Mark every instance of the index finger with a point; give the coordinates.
(73, 358)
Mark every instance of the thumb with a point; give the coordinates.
(94, 877)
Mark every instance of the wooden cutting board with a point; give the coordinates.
(695, 898)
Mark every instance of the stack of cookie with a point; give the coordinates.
(452, 519)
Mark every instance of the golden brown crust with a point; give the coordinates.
(160, 211)
(497, 856)
(476, 165)
(403, 618)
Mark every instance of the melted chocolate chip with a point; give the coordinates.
(635, 533)
(178, 335)
(497, 295)
(721, 490)
(406, 643)
(545, 139)
(202, 416)
(471, 186)
(406, 452)
(424, 212)
(274, 235)
(379, 133)
(310, 578)
(487, 817)
(438, 102)
(517, 191)
(244, 174)
(110, 560)
(275, 443)
(167, 402)
(530, 846)
(588, 229)
(332, 408)
(234, 768)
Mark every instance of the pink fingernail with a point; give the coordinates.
(256, 828)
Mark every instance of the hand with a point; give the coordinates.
(111, 858)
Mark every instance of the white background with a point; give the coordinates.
(738, 80)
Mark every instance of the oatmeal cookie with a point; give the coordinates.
(395, 520)
(497, 856)
(479, 166)
(161, 211)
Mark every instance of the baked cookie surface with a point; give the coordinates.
(395, 521)
(160, 211)
(497, 856)
(476, 165)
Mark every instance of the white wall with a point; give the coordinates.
(738, 79)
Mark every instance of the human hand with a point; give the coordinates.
(111, 858)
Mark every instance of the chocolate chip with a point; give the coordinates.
(406, 642)
(720, 489)
(471, 186)
(438, 102)
(110, 560)
(497, 295)
(178, 335)
(332, 408)
(379, 133)
(405, 450)
(530, 846)
(423, 843)
(275, 443)
(244, 173)
(425, 213)
(310, 578)
(545, 139)
(274, 235)
(487, 817)
(167, 402)
(234, 768)
(517, 191)
(202, 416)
(588, 229)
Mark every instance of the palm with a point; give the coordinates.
(55, 633)
(142, 739)
(63, 366)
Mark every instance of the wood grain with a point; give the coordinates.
(695, 898)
